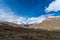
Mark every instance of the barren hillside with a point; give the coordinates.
(48, 24)
(10, 31)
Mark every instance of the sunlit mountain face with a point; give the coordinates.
(28, 11)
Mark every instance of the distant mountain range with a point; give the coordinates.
(48, 24)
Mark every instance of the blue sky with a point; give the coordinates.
(28, 10)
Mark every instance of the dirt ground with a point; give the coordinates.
(10, 33)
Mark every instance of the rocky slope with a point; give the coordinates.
(11, 31)
(48, 24)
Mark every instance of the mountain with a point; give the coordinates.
(48, 24)
(11, 31)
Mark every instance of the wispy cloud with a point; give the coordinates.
(53, 6)
(6, 14)
(36, 20)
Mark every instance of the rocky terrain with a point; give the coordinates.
(48, 24)
(47, 30)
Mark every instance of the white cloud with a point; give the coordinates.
(6, 14)
(36, 20)
(53, 6)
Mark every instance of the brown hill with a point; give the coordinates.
(11, 31)
(48, 24)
